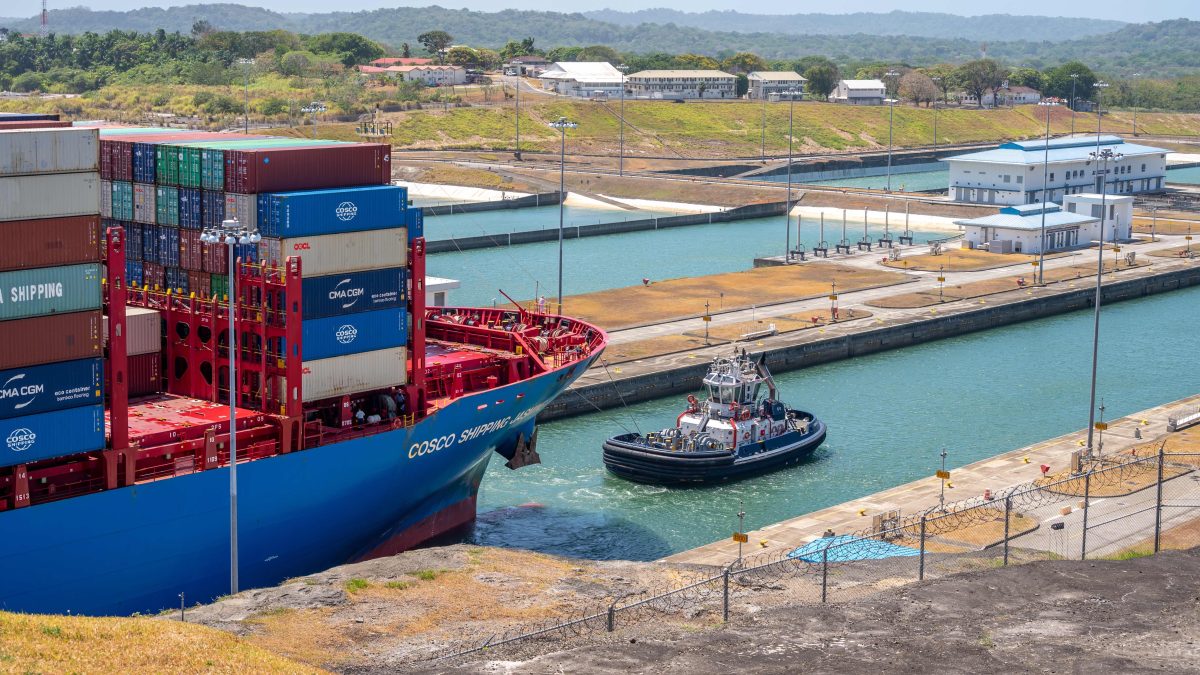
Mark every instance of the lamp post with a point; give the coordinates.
(1100, 87)
(562, 124)
(314, 108)
(1045, 192)
(1133, 84)
(247, 63)
(937, 81)
(518, 115)
(763, 152)
(787, 211)
(232, 233)
(1102, 158)
(891, 116)
(621, 157)
(1074, 80)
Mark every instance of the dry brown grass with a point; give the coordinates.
(983, 527)
(961, 260)
(36, 643)
(1179, 251)
(680, 298)
(666, 344)
(1114, 483)
(786, 323)
(1178, 538)
(1166, 222)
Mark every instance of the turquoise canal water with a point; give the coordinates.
(1190, 175)
(889, 416)
(533, 218)
(616, 260)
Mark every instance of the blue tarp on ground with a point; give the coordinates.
(847, 548)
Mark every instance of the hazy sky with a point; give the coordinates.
(1124, 10)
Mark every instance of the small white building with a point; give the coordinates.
(527, 66)
(681, 84)
(1013, 172)
(1116, 212)
(1018, 229)
(433, 76)
(859, 92)
(437, 289)
(773, 84)
(582, 78)
(1016, 95)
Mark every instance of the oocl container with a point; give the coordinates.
(313, 212)
(52, 386)
(41, 151)
(53, 434)
(342, 375)
(304, 168)
(46, 339)
(50, 241)
(339, 253)
(49, 290)
(143, 203)
(49, 196)
(354, 333)
(353, 292)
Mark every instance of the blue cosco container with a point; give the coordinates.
(414, 220)
(354, 333)
(52, 434)
(54, 386)
(316, 212)
(353, 292)
(49, 290)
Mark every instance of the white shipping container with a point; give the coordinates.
(106, 198)
(34, 151)
(242, 208)
(143, 203)
(340, 253)
(49, 195)
(355, 373)
(143, 331)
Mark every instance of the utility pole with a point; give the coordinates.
(891, 117)
(1074, 80)
(621, 156)
(562, 124)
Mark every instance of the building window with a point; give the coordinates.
(1007, 178)
(1020, 179)
(1052, 176)
(1143, 167)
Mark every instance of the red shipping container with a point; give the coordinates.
(121, 148)
(50, 242)
(51, 338)
(145, 374)
(200, 283)
(304, 168)
(216, 259)
(191, 250)
(33, 124)
(154, 275)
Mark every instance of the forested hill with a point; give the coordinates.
(986, 28)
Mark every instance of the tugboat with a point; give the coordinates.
(735, 433)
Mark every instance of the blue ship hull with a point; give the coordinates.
(136, 549)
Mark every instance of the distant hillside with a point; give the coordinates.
(988, 28)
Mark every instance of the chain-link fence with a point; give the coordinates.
(1112, 508)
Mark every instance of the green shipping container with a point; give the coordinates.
(189, 166)
(212, 168)
(220, 286)
(49, 290)
(166, 164)
(122, 200)
(166, 205)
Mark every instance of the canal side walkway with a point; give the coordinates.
(994, 473)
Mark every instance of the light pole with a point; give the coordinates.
(1100, 87)
(621, 157)
(937, 81)
(562, 124)
(1135, 100)
(1045, 192)
(764, 124)
(314, 108)
(518, 106)
(787, 211)
(1074, 80)
(1102, 158)
(232, 233)
(247, 63)
(891, 116)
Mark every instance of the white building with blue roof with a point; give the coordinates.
(1013, 173)
(1018, 228)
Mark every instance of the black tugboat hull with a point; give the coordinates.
(645, 464)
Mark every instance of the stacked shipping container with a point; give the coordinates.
(51, 370)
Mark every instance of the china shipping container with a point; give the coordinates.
(143, 204)
(122, 200)
(354, 333)
(342, 375)
(32, 151)
(49, 290)
(414, 220)
(46, 339)
(353, 292)
(53, 434)
(49, 196)
(106, 198)
(213, 209)
(305, 168)
(338, 253)
(143, 330)
(49, 242)
(314, 212)
(51, 386)
(244, 209)
(166, 205)
(191, 209)
(144, 163)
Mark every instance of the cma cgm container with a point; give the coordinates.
(306, 168)
(53, 434)
(50, 241)
(35, 151)
(50, 387)
(313, 212)
(338, 253)
(46, 339)
(342, 375)
(353, 292)
(49, 290)
(354, 333)
(49, 196)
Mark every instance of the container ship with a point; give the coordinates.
(365, 419)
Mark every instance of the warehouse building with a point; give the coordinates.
(582, 78)
(859, 92)
(681, 84)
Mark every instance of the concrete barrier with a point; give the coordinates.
(539, 199)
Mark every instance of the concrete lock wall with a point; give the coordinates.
(540, 199)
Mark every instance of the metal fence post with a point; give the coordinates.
(1007, 518)
(921, 569)
(824, 573)
(1158, 499)
(725, 606)
(1087, 497)
(611, 625)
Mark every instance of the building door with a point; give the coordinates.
(1099, 184)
